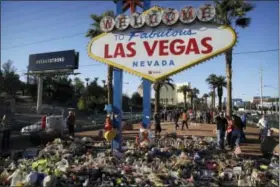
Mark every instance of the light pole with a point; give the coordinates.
(261, 84)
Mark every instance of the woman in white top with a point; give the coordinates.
(263, 125)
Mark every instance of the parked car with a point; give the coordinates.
(53, 122)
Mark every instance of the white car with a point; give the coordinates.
(52, 122)
(36, 127)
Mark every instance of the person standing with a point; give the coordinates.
(220, 129)
(236, 133)
(185, 120)
(157, 124)
(44, 122)
(229, 130)
(208, 117)
(6, 134)
(71, 120)
(176, 118)
(263, 125)
(244, 123)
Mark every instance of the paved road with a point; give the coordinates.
(251, 147)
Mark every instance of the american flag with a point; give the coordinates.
(237, 150)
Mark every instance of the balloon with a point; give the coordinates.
(110, 135)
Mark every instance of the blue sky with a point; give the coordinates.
(25, 22)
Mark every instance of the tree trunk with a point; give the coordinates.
(220, 103)
(214, 98)
(110, 84)
(229, 81)
(157, 92)
(185, 100)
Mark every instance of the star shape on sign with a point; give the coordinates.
(132, 4)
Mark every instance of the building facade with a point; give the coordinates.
(168, 95)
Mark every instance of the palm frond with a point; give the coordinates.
(95, 17)
(95, 28)
(248, 7)
(171, 85)
(243, 22)
(91, 33)
(233, 11)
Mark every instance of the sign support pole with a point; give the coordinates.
(146, 88)
(39, 93)
(117, 91)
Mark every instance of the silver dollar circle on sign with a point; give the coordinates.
(153, 18)
(206, 13)
(187, 14)
(122, 22)
(137, 20)
(107, 24)
(170, 16)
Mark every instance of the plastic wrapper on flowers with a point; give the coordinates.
(169, 161)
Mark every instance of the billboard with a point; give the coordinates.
(59, 60)
(160, 43)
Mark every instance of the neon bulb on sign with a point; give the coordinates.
(122, 22)
(153, 18)
(206, 13)
(107, 24)
(170, 16)
(187, 15)
(137, 20)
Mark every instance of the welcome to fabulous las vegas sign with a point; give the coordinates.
(161, 42)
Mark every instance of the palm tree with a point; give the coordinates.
(157, 86)
(212, 81)
(87, 80)
(104, 83)
(193, 94)
(95, 31)
(184, 89)
(221, 83)
(205, 96)
(231, 12)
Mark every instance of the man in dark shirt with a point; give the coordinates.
(157, 124)
(221, 129)
(236, 133)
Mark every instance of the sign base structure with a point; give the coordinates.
(117, 91)
(146, 88)
(117, 105)
(146, 103)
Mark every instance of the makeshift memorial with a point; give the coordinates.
(84, 162)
